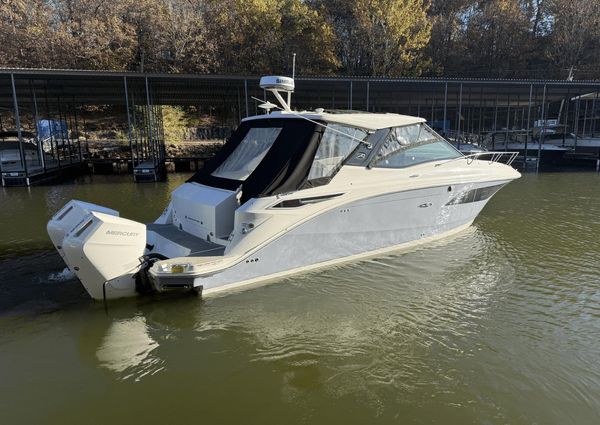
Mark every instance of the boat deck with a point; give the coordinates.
(198, 247)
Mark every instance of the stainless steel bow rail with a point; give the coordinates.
(504, 157)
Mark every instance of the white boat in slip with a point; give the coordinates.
(289, 192)
(583, 144)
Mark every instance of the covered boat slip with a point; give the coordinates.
(465, 110)
(37, 166)
(43, 149)
(53, 107)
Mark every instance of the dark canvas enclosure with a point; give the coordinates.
(284, 168)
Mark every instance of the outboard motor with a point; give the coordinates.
(67, 218)
(104, 251)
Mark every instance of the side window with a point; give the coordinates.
(337, 143)
(411, 145)
(248, 154)
(399, 138)
(426, 135)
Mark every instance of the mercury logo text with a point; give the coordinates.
(121, 233)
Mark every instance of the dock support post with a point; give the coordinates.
(332, 98)
(155, 132)
(87, 145)
(594, 114)
(144, 133)
(507, 123)
(445, 109)
(585, 118)
(576, 124)
(459, 117)
(495, 128)
(527, 135)
(541, 139)
(239, 105)
(368, 87)
(469, 123)
(246, 94)
(522, 122)
(62, 133)
(53, 141)
(69, 117)
(480, 116)
(37, 128)
(351, 87)
(160, 143)
(18, 124)
(77, 132)
(128, 122)
(150, 125)
(136, 131)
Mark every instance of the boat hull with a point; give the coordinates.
(106, 251)
(362, 228)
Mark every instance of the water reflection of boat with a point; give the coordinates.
(289, 192)
(127, 344)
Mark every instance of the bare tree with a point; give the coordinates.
(575, 40)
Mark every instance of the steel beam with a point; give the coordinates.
(543, 118)
(18, 124)
(528, 134)
(37, 129)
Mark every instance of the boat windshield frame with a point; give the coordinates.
(409, 145)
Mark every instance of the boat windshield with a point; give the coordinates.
(248, 154)
(411, 145)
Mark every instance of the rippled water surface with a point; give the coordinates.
(498, 325)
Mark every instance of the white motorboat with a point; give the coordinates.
(588, 145)
(11, 151)
(289, 192)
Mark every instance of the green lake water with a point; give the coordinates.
(497, 325)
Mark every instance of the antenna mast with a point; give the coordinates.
(289, 95)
